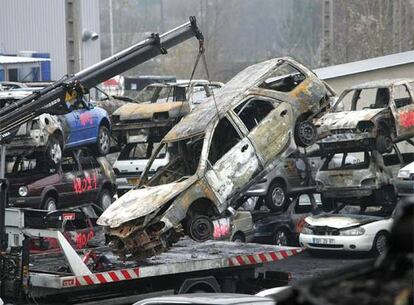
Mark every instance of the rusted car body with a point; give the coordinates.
(381, 113)
(158, 108)
(217, 152)
(361, 177)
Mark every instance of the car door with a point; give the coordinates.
(232, 160)
(71, 191)
(267, 124)
(402, 108)
(91, 176)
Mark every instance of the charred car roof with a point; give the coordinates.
(384, 83)
(240, 86)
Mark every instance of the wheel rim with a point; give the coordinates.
(103, 141)
(306, 133)
(106, 201)
(381, 244)
(201, 229)
(51, 206)
(278, 196)
(56, 153)
(280, 238)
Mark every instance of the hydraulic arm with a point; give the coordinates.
(52, 99)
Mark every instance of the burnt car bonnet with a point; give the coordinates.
(134, 111)
(347, 119)
(141, 202)
(341, 221)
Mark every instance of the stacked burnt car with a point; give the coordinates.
(365, 136)
(57, 161)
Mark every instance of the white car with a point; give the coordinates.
(356, 229)
(132, 161)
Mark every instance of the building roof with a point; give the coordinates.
(8, 60)
(366, 65)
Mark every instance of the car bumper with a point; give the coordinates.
(335, 243)
(346, 192)
(347, 142)
(404, 187)
(25, 202)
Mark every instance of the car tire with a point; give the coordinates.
(54, 150)
(103, 142)
(238, 238)
(380, 243)
(281, 237)
(104, 199)
(49, 204)
(384, 143)
(305, 134)
(276, 197)
(328, 204)
(200, 228)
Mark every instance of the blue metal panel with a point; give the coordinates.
(45, 67)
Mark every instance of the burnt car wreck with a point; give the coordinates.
(381, 114)
(217, 152)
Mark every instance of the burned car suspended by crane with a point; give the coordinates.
(216, 153)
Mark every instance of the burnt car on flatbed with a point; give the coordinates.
(216, 153)
(81, 179)
(380, 114)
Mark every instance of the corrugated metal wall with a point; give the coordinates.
(29, 25)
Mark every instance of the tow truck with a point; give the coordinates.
(96, 275)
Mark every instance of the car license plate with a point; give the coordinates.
(133, 181)
(324, 241)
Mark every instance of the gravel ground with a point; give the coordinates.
(304, 266)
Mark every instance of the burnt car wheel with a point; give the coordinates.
(276, 198)
(103, 142)
(105, 199)
(238, 238)
(54, 150)
(384, 144)
(280, 237)
(380, 243)
(200, 228)
(305, 134)
(50, 204)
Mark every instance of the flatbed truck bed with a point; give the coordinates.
(69, 277)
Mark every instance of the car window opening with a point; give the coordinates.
(285, 78)
(402, 96)
(184, 159)
(253, 112)
(224, 138)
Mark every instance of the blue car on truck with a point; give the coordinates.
(87, 125)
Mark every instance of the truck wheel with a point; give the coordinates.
(105, 199)
(380, 243)
(281, 237)
(54, 150)
(200, 228)
(384, 144)
(305, 134)
(276, 197)
(103, 141)
(49, 204)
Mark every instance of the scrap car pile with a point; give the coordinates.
(192, 155)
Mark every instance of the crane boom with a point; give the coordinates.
(51, 99)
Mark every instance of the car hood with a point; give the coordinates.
(141, 202)
(134, 111)
(340, 221)
(346, 119)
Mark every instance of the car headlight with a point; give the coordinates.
(352, 232)
(404, 174)
(306, 229)
(23, 191)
